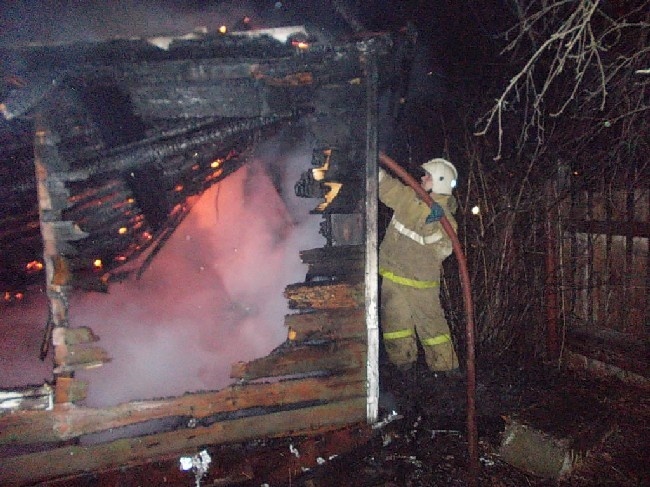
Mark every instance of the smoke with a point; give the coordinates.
(21, 329)
(212, 296)
(68, 21)
(44, 21)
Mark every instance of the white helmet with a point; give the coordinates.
(443, 175)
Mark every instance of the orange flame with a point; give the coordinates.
(34, 266)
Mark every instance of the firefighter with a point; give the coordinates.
(410, 263)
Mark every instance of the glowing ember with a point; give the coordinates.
(97, 263)
(34, 266)
(216, 163)
(334, 189)
(214, 175)
(178, 187)
(223, 29)
(147, 235)
(122, 230)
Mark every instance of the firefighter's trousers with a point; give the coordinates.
(412, 311)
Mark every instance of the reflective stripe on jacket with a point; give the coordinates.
(437, 340)
(396, 335)
(405, 281)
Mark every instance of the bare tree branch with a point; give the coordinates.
(578, 52)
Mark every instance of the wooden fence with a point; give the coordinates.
(604, 275)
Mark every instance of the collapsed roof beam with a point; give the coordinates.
(143, 154)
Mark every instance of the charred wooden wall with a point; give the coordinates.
(318, 379)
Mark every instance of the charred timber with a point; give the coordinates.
(330, 357)
(129, 158)
(345, 252)
(326, 325)
(69, 421)
(105, 217)
(36, 467)
(20, 101)
(325, 296)
(86, 197)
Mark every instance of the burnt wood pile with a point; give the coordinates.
(105, 148)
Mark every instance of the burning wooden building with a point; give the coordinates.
(105, 147)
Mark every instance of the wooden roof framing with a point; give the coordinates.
(198, 109)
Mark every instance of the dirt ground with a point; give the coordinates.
(606, 423)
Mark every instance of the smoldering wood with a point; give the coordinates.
(112, 192)
(326, 355)
(147, 154)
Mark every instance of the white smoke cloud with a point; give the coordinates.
(44, 21)
(211, 297)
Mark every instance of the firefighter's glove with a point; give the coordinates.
(436, 213)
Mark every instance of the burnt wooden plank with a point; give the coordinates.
(330, 357)
(326, 324)
(243, 98)
(348, 270)
(325, 296)
(41, 466)
(68, 421)
(337, 253)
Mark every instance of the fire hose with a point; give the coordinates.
(472, 430)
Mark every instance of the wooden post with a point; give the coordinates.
(52, 199)
(371, 275)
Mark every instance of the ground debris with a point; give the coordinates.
(427, 446)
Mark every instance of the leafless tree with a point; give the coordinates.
(575, 58)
